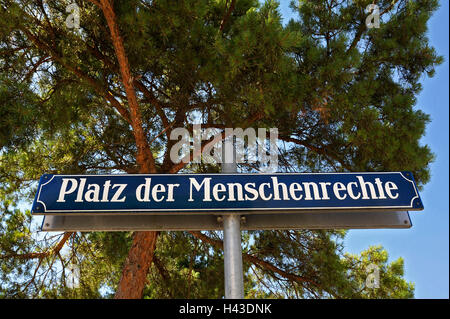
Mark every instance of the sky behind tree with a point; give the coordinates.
(425, 246)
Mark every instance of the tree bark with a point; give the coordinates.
(144, 156)
(137, 264)
(140, 256)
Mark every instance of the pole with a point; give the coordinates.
(234, 278)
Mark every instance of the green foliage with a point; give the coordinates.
(15, 239)
(185, 268)
(347, 93)
(390, 285)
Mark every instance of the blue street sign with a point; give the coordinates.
(215, 193)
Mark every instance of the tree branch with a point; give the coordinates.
(41, 255)
(227, 15)
(258, 262)
(92, 82)
(161, 269)
(317, 150)
(138, 84)
(144, 155)
(362, 27)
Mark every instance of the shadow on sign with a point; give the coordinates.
(315, 220)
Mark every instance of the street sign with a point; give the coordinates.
(269, 221)
(220, 193)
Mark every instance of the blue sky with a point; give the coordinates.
(425, 246)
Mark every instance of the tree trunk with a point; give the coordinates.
(136, 266)
(140, 256)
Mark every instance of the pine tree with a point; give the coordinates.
(103, 97)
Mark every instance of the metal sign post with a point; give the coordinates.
(234, 277)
